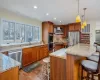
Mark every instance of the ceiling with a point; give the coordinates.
(62, 10)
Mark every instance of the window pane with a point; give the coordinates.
(11, 31)
(36, 33)
(5, 30)
(28, 31)
(18, 31)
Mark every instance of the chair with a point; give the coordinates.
(92, 68)
(95, 56)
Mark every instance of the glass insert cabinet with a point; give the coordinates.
(13, 32)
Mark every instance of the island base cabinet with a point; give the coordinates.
(12, 74)
(57, 68)
(73, 67)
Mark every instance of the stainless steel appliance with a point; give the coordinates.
(50, 41)
(97, 35)
(73, 38)
(16, 55)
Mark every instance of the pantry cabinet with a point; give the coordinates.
(34, 54)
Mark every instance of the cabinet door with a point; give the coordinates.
(34, 54)
(46, 51)
(28, 32)
(71, 27)
(77, 27)
(51, 28)
(27, 56)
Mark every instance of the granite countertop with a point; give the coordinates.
(13, 47)
(59, 53)
(7, 63)
(81, 50)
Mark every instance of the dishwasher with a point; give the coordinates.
(16, 55)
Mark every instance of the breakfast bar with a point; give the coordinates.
(75, 54)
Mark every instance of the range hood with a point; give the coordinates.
(58, 31)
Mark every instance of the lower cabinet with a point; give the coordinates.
(58, 46)
(34, 54)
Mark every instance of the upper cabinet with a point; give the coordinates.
(75, 27)
(14, 32)
(47, 27)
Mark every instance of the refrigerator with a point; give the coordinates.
(73, 38)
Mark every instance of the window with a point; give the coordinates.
(8, 32)
(14, 32)
(29, 34)
(86, 29)
(36, 33)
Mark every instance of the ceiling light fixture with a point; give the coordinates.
(60, 21)
(84, 23)
(35, 7)
(78, 19)
(47, 14)
(54, 18)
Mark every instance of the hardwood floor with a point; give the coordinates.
(36, 74)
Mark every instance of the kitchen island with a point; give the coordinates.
(58, 65)
(9, 68)
(75, 54)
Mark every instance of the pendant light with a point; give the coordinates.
(78, 19)
(82, 26)
(84, 23)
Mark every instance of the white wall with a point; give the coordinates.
(92, 31)
(5, 14)
(97, 25)
(94, 25)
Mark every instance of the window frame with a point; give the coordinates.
(2, 42)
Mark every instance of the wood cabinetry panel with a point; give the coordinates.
(12, 74)
(34, 54)
(59, 46)
(47, 27)
(75, 27)
(57, 68)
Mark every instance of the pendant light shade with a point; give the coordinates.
(82, 26)
(78, 18)
(84, 23)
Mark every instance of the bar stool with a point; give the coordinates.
(46, 67)
(91, 68)
(95, 56)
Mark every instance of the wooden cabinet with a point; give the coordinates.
(74, 27)
(47, 27)
(34, 54)
(71, 27)
(11, 74)
(27, 56)
(58, 46)
(64, 29)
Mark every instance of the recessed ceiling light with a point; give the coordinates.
(35, 7)
(60, 21)
(54, 18)
(47, 14)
